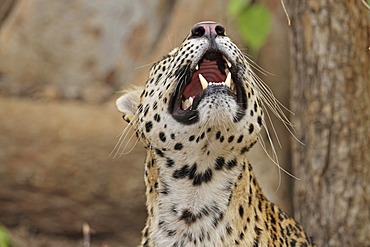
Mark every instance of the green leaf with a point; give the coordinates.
(5, 240)
(235, 7)
(254, 25)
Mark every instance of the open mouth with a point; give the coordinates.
(212, 74)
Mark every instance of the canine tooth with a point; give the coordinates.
(191, 101)
(232, 86)
(203, 81)
(228, 80)
(227, 61)
(186, 104)
(197, 67)
(228, 64)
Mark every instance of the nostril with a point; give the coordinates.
(198, 31)
(209, 30)
(220, 30)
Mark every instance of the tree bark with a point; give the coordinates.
(6, 6)
(331, 99)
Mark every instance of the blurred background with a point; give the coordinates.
(62, 65)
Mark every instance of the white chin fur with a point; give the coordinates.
(217, 110)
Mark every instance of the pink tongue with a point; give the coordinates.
(210, 71)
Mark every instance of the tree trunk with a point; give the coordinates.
(331, 100)
(6, 6)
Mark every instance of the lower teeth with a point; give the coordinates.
(187, 103)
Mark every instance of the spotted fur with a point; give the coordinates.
(200, 187)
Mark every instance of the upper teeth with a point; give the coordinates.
(228, 80)
(186, 104)
(205, 83)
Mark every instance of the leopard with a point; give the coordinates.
(199, 113)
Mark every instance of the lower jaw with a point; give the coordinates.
(219, 99)
(220, 113)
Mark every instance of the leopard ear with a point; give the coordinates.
(128, 104)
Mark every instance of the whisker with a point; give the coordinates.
(272, 125)
(132, 148)
(144, 65)
(269, 101)
(256, 66)
(118, 147)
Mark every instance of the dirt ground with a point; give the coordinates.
(56, 173)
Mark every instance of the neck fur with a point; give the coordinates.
(194, 196)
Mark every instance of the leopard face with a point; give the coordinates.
(200, 91)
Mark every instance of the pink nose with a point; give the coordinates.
(209, 30)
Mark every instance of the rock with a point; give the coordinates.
(75, 44)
